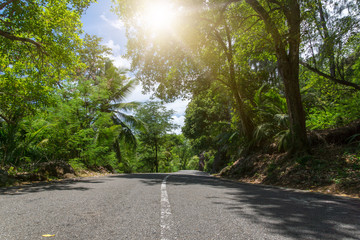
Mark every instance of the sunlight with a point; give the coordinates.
(159, 17)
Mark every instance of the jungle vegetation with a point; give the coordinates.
(259, 74)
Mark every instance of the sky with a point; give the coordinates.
(99, 20)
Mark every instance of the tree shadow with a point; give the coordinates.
(63, 185)
(298, 215)
(290, 213)
(294, 214)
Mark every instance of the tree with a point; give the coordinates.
(112, 87)
(95, 103)
(158, 122)
(204, 119)
(38, 43)
(39, 39)
(182, 149)
(331, 39)
(208, 42)
(87, 123)
(282, 21)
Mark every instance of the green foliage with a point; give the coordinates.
(85, 123)
(77, 164)
(335, 113)
(209, 161)
(271, 118)
(38, 43)
(158, 122)
(38, 48)
(193, 163)
(205, 119)
(331, 40)
(11, 171)
(61, 98)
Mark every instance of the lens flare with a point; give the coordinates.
(159, 17)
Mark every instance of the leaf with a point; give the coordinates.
(48, 235)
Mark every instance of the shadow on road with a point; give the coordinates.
(294, 214)
(64, 185)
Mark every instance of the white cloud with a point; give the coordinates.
(121, 62)
(118, 60)
(179, 106)
(136, 95)
(115, 47)
(118, 24)
(178, 120)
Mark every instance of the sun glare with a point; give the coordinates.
(159, 17)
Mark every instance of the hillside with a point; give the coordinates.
(333, 167)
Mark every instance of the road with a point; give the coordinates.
(184, 205)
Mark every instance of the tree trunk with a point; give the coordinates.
(156, 158)
(246, 121)
(287, 53)
(328, 41)
(290, 76)
(289, 70)
(117, 150)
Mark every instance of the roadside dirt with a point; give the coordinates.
(331, 169)
(19, 180)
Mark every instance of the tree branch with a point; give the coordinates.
(246, 30)
(7, 120)
(343, 82)
(270, 26)
(223, 82)
(21, 39)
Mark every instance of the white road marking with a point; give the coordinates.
(165, 221)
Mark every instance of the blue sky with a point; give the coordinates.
(100, 21)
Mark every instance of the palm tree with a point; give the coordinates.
(117, 86)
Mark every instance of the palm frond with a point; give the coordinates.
(125, 119)
(262, 131)
(128, 136)
(258, 95)
(282, 119)
(124, 91)
(283, 140)
(129, 106)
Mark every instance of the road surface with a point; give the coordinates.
(184, 205)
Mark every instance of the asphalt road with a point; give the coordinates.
(185, 205)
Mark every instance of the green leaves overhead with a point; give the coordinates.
(38, 40)
(330, 40)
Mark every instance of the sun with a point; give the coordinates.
(159, 17)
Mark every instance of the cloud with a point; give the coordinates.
(118, 24)
(115, 47)
(136, 95)
(121, 62)
(178, 120)
(118, 60)
(179, 106)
